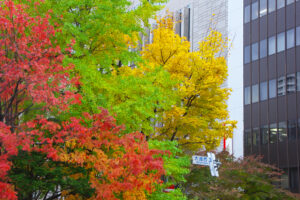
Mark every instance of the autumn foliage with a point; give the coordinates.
(32, 76)
(200, 117)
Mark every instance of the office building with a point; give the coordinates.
(272, 85)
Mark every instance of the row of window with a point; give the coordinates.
(273, 44)
(269, 89)
(262, 7)
(265, 134)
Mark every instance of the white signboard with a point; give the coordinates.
(210, 161)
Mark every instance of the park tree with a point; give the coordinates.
(200, 117)
(45, 157)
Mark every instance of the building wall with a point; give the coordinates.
(271, 84)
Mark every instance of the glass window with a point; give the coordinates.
(263, 48)
(264, 130)
(271, 6)
(298, 81)
(255, 134)
(298, 134)
(272, 45)
(273, 133)
(263, 92)
(281, 86)
(272, 88)
(298, 36)
(281, 42)
(263, 7)
(248, 139)
(290, 38)
(247, 54)
(254, 93)
(254, 13)
(292, 130)
(290, 83)
(282, 132)
(254, 51)
(247, 14)
(247, 95)
(289, 2)
(280, 4)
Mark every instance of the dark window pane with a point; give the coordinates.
(298, 131)
(263, 7)
(272, 88)
(263, 48)
(178, 23)
(290, 38)
(271, 6)
(247, 14)
(280, 4)
(254, 93)
(281, 42)
(290, 83)
(298, 81)
(281, 86)
(247, 140)
(272, 45)
(254, 51)
(282, 132)
(298, 36)
(247, 54)
(264, 131)
(273, 133)
(292, 130)
(247, 95)
(263, 92)
(187, 16)
(254, 11)
(255, 134)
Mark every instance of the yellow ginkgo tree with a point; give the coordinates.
(200, 118)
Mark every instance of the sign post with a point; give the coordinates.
(210, 161)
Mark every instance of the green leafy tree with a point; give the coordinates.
(246, 178)
(177, 166)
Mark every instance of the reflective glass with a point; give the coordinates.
(247, 54)
(264, 130)
(247, 95)
(263, 48)
(298, 36)
(290, 38)
(290, 83)
(289, 2)
(273, 133)
(272, 45)
(247, 14)
(272, 88)
(263, 92)
(254, 13)
(281, 86)
(263, 7)
(255, 134)
(282, 132)
(254, 93)
(271, 6)
(281, 42)
(254, 51)
(280, 4)
(292, 130)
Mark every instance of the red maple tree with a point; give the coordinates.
(31, 73)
